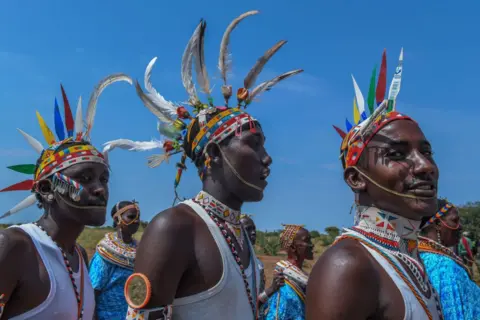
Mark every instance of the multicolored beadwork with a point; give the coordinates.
(78, 295)
(440, 213)
(288, 235)
(116, 251)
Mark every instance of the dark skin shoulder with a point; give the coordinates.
(343, 284)
(178, 255)
(24, 287)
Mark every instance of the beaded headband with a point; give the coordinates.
(288, 235)
(51, 162)
(440, 213)
(125, 209)
(359, 135)
(173, 118)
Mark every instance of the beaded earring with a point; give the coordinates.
(439, 238)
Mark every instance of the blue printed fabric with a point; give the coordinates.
(285, 304)
(109, 279)
(459, 295)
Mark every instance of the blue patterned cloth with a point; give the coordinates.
(459, 296)
(109, 279)
(285, 304)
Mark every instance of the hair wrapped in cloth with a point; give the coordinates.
(361, 132)
(288, 235)
(215, 123)
(53, 158)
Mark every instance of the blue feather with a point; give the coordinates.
(348, 125)
(59, 126)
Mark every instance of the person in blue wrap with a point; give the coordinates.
(451, 278)
(288, 303)
(113, 262)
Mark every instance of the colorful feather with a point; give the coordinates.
(165, 110)
(187, 67)
(59, 126)
(371, 91)
(396, 83)
(360, 100)
(258, 67)
(47, 133)
(224, 62)
(26, 185)
(268, 85)
(382, 79)
(25, 203)
(34, 143)
(68, 113)
(348, 125)
(340, 132)
(132, 145)
(92, 103)
(366, 124)
(356, 114)
(200, 65)
(23, 168)
(79, 120)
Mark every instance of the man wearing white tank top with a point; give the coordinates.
(373, 270)
(44, 271)
(195, 260)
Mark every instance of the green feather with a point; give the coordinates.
(23, 168)
(371, 92)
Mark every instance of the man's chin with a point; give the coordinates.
(97, 217)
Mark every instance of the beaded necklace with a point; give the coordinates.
(431, 246)
(78, 295)
(202, 200)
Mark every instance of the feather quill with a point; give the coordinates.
(371, 91)
(166, 108)
(382, 79)
(348, 125)
(34, 143)
(200, 65)
(157, 159)
(59, 126)
(268, 85)
(366, 124)
(151, 105)
(79, 120)
(396, 83)
(131, 145)
(25, 203)
(92, 103)
(25, 185)
(261, 62)
(360, 100)
(224, 62)
(340, 132)
(68, 113)
(47, 133)
(187, 67)
(168, 130)
(356, 113)
(23, 168)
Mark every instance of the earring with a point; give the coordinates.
(439, 239)
(208, 161)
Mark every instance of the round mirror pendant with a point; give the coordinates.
(137, 291)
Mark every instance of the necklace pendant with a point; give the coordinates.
(237, 232)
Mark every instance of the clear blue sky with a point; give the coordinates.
(43, 43)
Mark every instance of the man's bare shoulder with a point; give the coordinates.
(14, 244)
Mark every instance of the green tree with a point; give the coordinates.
(314, 234)
(470, 216)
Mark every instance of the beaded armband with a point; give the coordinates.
(160, 313)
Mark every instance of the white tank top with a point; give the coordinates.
(413, 308)
(61, 303)
(228, 298)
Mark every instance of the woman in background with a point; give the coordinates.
(113, 262)
(451, 278)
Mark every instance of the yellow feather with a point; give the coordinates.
(47, 133)
(356, 114)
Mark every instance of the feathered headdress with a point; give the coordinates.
(51, 162)
(175, 122)
(358, 135)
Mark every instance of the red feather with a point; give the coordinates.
(68, 113)
(382, 79)
(340, 132)
(26, 185)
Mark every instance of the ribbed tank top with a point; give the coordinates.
(61, 303)
(228, 298)
(413, 308)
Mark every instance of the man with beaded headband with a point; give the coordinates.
(459, 294)
(289, 302)
(44, 270)
(373, 270)
(195, 261)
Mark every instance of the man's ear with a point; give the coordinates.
(213, 151)
(354, 179)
